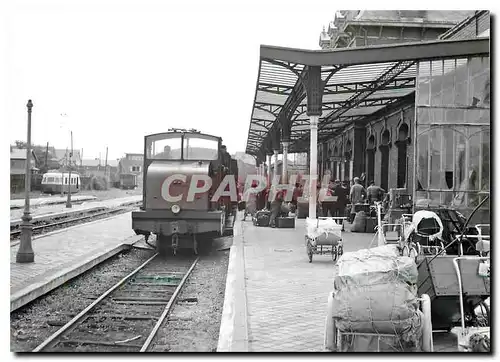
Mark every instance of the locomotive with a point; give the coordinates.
(184, 171)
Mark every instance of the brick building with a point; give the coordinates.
(132, 164)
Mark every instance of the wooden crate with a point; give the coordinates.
(438, 278)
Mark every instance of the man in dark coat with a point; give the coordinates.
(341, 203)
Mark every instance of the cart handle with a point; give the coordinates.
(457, 270)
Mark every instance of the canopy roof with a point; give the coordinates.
(357, 83)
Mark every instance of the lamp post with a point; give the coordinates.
(25, 252)
(68, 201)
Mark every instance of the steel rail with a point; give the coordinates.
(49, 341)
(62, 222)
(167, 308)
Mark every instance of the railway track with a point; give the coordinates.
(42, 225)
(127, 316)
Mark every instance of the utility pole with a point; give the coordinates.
(106, 168)
(25, 252)
(64, 168)
(68, 202)
(46, 155)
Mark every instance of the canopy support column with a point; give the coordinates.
(313, 166)
(269, 170)
(275, 173)
(284, 173)
(314, 91)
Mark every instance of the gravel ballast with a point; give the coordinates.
(193, 324)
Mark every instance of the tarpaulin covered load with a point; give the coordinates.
(324, 231)
(375, 292)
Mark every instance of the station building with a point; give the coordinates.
(417, 122)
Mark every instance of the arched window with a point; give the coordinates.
(384, 164)
(347, 163)
(370, 155)
(402, 144)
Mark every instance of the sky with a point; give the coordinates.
(112, 72)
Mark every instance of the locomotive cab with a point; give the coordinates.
(182, 171)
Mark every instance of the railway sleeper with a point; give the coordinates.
(149, 291)
(154, 284)
(144, 299)
(102, 343)
(138, 302)
(125, 316)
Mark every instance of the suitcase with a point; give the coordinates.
(262, 218)
(285, 222)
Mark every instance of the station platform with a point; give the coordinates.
(19, 203)
(52, 210)
(276, 301)
(64, 254)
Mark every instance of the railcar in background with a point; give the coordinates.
(58, 182)
(171, 160)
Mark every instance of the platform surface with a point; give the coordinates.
(62, 254)
(284, 294)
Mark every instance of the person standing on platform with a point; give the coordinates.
(328, 206)
(276, 208)
(374, 193)
(357, 195)
(342, 201)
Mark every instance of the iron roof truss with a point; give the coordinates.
(357, 84)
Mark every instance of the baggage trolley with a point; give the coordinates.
(325, 237)
(336, 340)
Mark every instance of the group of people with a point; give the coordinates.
(344, 196)
(357, 194)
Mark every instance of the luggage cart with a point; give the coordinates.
(479, 328)
(325, 237)
(336, 340)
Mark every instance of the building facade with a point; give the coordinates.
(132, 164)
(445, 120)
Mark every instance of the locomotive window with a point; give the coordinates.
(166, 147)
(197, 147)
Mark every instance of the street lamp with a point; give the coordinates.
(68, 201)
(25, 252)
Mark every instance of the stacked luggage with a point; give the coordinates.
(261, 218)
(375, 294)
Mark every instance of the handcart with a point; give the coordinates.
(324, 236)
(456, 278)
(336, 340)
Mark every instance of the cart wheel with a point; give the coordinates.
(340, 250)
(483, 319)
(334, 253)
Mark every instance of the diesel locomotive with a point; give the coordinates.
(184, 174)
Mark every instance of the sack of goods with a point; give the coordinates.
(359, 223)
(375, 291)
(324, 231)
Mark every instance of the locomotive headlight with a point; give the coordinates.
(176, 209)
